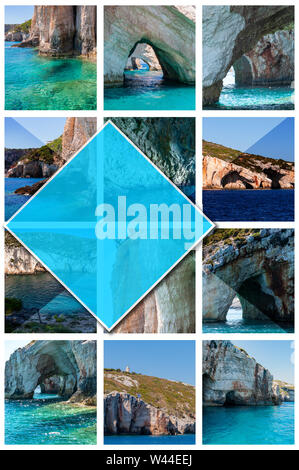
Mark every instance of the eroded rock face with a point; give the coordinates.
(219, 174)
(168, 29)
(271, 62)
(17, 260)
(232, 377)
(63, 31)
(77, 131)
(13, 155)
(168, 142)
(16, 36)
(125, 414)
(73, 361)
(169, 308)
(231, 31)
(258, 268)
(32, 169)
(147, 54)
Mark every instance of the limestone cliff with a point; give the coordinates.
(169, 30)
(147, 54)
(269, 63)
(231, 31)
(232, 377)
(168, 142)
(63, 31)
(226, 168)
(13, 155)
(73, 361)
(255, 265)
(17, 260)
(284, 390)
(77, 131)
(162, 407)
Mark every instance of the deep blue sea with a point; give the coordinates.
(269, 98)
(42, 291)
(147, 90)
(249, 205)
(46, 83)
(249, 425)
(236, 324)
(45, 420)
(13, 202)
(134, 439)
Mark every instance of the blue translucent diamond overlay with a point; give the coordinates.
(109, 225)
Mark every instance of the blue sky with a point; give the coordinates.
(18, 14)
(270, 137)
(12, 345)
(276, 356)
(31, 132)
(174, 360)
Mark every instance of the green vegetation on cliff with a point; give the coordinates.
(230, 235)
(10, 241)
(46, 153)
(23, 27)
(246, 160)
(174, 397)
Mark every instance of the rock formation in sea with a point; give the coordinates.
(170, 30)
(169, 307)
(229, 32)
(168, 142)
(269, 63)
(17, 260)
(147, 54)
(63, 31)
(169, 409)
(232, 377)
(44, 162)
(226, 168)
(255, 265)
(33, 365)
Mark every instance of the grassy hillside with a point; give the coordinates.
(246, 160)
(174, 397)
(23, 27)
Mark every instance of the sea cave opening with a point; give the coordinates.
(143, 59)
(235, 311)
(230, 78)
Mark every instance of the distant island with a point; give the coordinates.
(227, 168)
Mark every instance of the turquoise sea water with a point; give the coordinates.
(272, 98)
(45, 420)
(125, 439)
(37, 82)
(235, 324)
(13, 202)
(147, 90)
(249, 425)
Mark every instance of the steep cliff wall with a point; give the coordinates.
(231, 31)
(63, 31)
(73, 361)
(13, 155)
(270, 62)
(169, 30)
(232, 377)
(77, 131)
(257, 266)
(225, 168)
(17, 260)
(169, 308)
(168, 142)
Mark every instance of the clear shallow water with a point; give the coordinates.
(42, 291)
(125, 439)
(13, 202)
(146, 90)
(48, 421)
(249, 205)
(255, 98)
(249, 425)
(37, 82)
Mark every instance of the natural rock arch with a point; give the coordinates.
(243, 71)
(72, 362)
(166, 29)
(231, 31)
(147, 54)
(260, 272)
